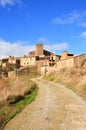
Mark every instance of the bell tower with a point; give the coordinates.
(39, 49)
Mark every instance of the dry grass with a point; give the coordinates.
(14, 87)
(20, 91)
(9, 110)
(74, 79)
(4, 85)
(18, 86)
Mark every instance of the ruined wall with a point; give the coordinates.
(56, 58)
(42, 66)
(12, 75)
(51, 69)
(44, 70)
(65, 63)
(78, 60)
(4, 65)
(11, 60)
(64, 55)
(75, 61)
(0, 62)
(31, 53)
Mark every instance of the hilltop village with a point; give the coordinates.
(45, 61)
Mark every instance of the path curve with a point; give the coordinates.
(55, 108)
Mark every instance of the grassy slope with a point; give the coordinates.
(74, 79)
(18, 93)
(7, 112)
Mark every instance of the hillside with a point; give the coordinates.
(73, 78)
(55, 108)
(15, 95)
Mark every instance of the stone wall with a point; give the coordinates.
(12, 60)
(31, 53)
(78, 60)
(42, 66)
(12, 75)
(65, 63)
(4, 65)
(0, 62)
(64, 55)
(51, 69)
(75, 61)
(27, 61)
(39, 49)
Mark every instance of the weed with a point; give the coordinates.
(72, 79)
(18, 103)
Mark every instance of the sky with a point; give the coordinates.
(58, 24)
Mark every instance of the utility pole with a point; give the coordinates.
(45, 67)
(51, 53)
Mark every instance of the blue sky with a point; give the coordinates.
(60, 23)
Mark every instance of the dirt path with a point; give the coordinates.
(55, 108)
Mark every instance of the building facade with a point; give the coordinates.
(45, 61)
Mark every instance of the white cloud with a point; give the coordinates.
(21, 49)
(71, 18)
(56, 46)
(43, 40)
(68, 19)
(53, 46)
(14, 49)
(3, 3)
(83, 35)
(83, 24)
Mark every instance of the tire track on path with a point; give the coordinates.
(55, 108)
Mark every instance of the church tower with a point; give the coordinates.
(39, 49)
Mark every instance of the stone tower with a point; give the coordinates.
(64, 55)
(39, 49)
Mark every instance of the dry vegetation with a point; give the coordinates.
(15, 95)
(14, 87)
(74, 79)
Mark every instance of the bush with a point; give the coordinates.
(12, 99)
(29, 90)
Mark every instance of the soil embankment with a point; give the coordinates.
(72, 78)
(14, 96)
(55, 108)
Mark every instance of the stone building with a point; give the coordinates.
(4, 62)
(41, 53)
(27, 61)
(31, 53)
(66, 55)
(39, 50)
(45, 61)
(10, 61)
(79, 60)
(43, 58)
(73, 61)
(0, 62)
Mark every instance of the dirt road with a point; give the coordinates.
(55, 108)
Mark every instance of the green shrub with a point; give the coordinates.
(12, 99)
(30, 90)
(7, 112)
